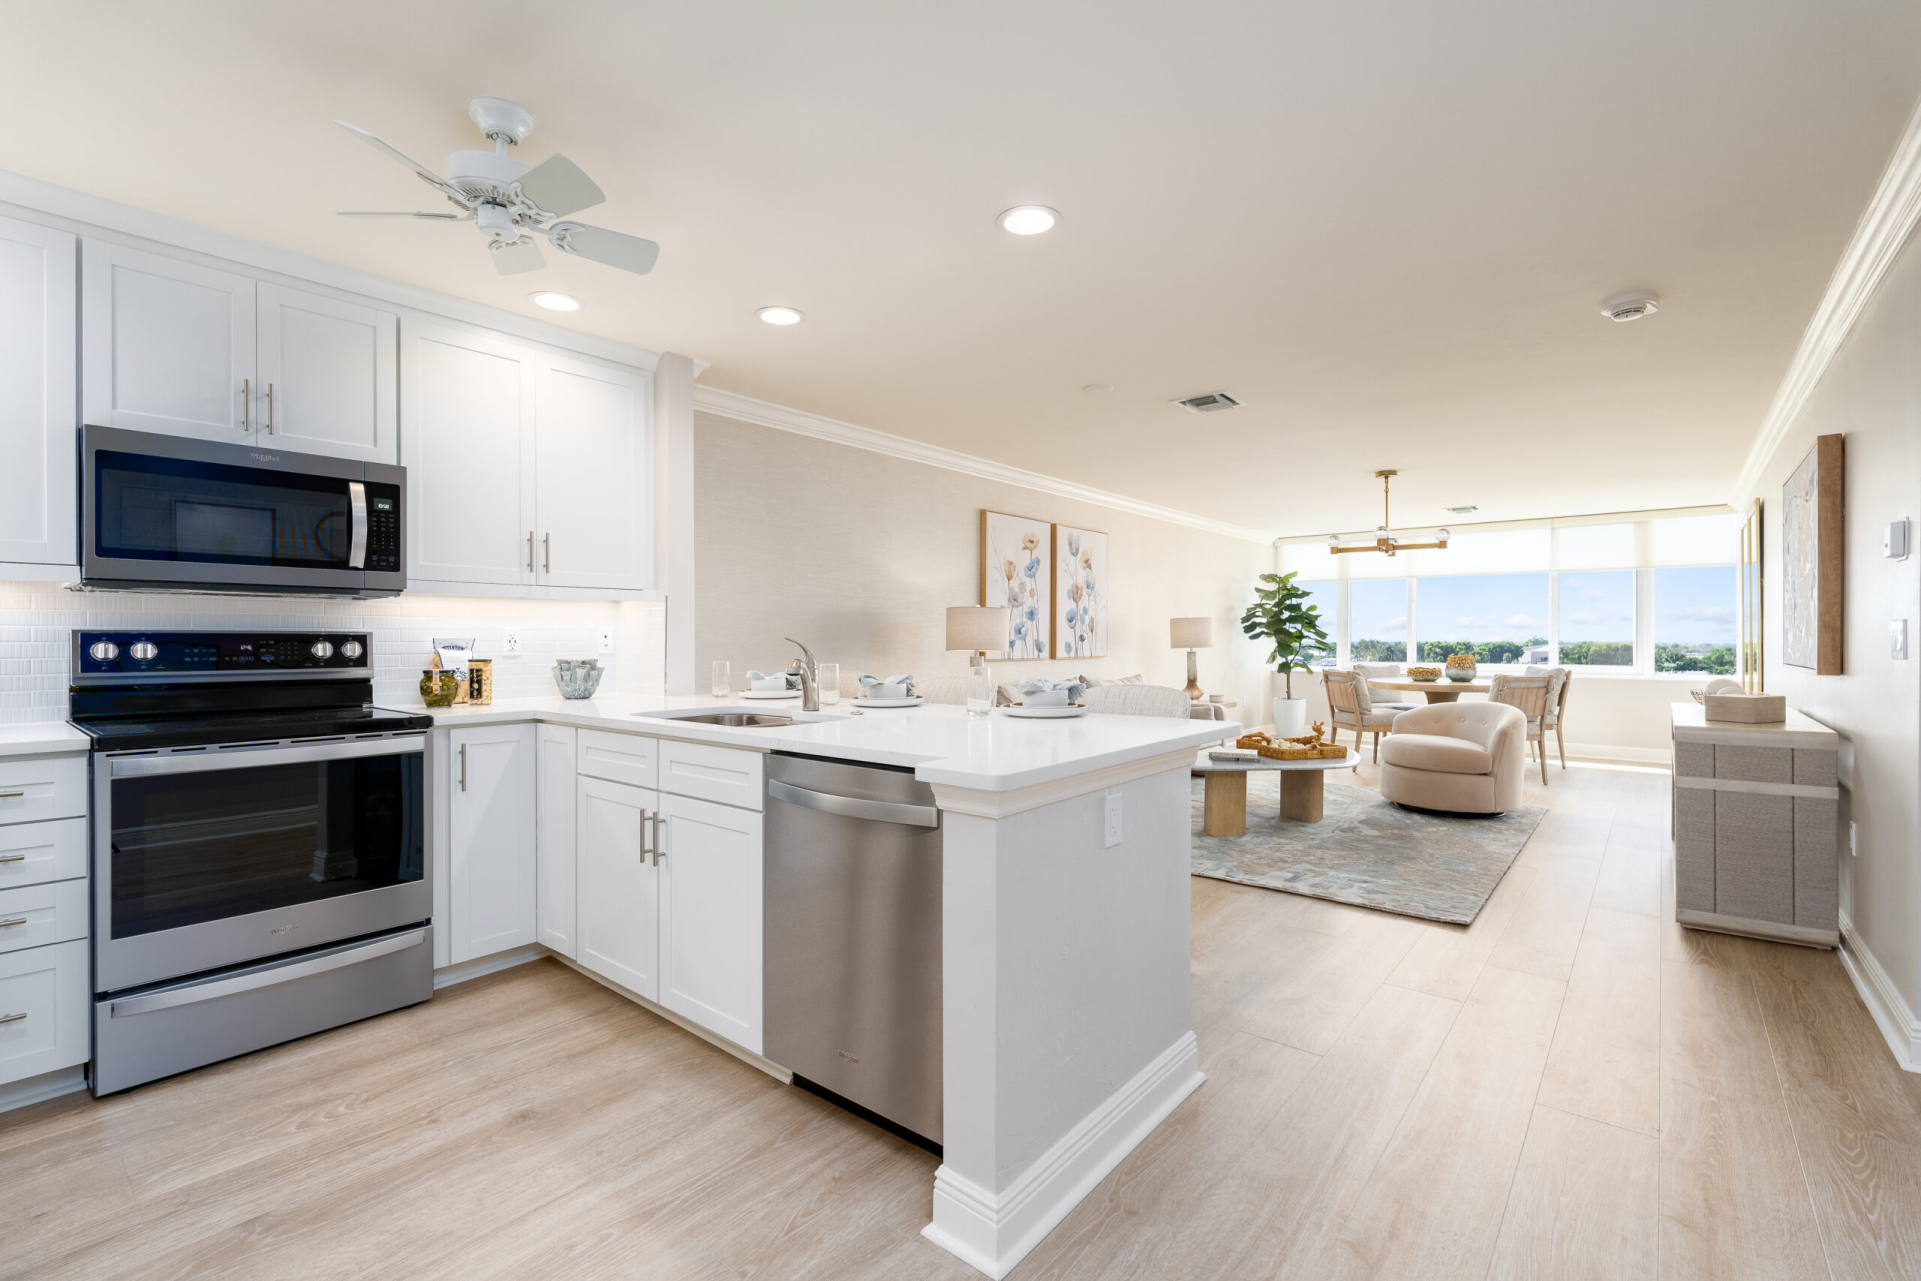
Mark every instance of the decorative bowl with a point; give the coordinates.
(1424, 673)
(1461, 667)
(578, 677)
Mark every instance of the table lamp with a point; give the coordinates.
(977, 629)
(1191, 634)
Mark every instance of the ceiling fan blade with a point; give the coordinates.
(560, 187)
(615, 248)
(438, 217)
(426, 175)
(511, 257)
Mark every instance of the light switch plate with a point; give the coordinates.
(606, 640)
(1112, 836)
(510, 642)
(1898, 638)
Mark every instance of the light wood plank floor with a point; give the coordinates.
(1570, 1087)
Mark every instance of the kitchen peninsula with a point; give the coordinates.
(1066, 1028)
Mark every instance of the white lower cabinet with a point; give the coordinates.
(710, 916)
(555, 899)
(44, 1007)
(491, 817)
(619, 892)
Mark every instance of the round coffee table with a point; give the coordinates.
(1224, 803)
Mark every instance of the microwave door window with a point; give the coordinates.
(223, 531)
(152, 508)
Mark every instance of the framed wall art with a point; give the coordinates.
(1080, 592)
(1812, 522)
(1017, 572)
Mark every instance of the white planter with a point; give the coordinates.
(1290, 717)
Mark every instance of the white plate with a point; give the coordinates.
(770, 693)
(915, 701)
(1045, 713)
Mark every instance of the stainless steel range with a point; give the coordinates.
(258, 852)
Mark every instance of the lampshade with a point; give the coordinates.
(1190, 633)
(976, 627)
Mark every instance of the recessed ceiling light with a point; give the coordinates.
(1029, 220)
(1098, 389)
(779, 315)
(555, 302)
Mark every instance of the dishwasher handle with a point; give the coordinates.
(854, 806)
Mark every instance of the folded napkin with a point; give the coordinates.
(904, 679)
(1041, 692)
(793, 682)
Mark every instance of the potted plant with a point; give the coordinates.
(1279, 616)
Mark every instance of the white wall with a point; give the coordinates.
(1871, 393)
(36, 620)
(859, 555)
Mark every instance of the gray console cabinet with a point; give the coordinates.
(1755, 814)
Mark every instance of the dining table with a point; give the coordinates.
(1437, 691)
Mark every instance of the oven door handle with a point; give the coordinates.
(357, 552)
(250, 757)
(193, 994)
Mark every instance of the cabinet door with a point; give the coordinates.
(167, 346)
(555, 918)
(491, 839)
(467, 408)
(38, 282)
(619, 895)
(329, 375)
(46, 1004)
(710, 917)
(594, 446)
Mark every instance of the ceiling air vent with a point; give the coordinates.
(1208, 403)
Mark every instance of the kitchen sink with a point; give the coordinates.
(739, 720)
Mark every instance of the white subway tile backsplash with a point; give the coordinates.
(36, 620)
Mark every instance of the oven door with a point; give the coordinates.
(161, 510)
(205, 858)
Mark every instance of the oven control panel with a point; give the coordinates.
(201, 653)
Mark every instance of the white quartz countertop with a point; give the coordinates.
(1690, 721)
(939, 741)
(41, 738)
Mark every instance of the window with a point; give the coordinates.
(1326, 598)
(1377, 620)
(1597, 619)
(1498, 618)
(1694, 620)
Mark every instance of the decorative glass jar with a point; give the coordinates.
(438, 688)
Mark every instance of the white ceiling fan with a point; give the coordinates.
(509, 200)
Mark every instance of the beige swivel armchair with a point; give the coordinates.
(1466, 758)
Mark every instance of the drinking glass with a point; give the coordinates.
(980, 690)
(827, 680)
(723, 679)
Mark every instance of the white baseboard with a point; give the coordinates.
(48, 1085)
(449, 975)
(994, 1231)
(715, 1039)
(1899, 1027)
(1609, 754)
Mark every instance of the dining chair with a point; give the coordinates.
(1529, 694)
(1349, 705)
(1399, 700)
(1560, 679)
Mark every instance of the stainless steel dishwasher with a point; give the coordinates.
(853, 950)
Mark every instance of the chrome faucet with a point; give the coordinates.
(809, 678)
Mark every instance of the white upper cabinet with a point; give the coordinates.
(595, 466)
(168, 346)
(491, 817)
(328, 374)
(38, 282)
(468, 449)
(176, 347)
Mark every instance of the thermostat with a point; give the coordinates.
(1894, 541)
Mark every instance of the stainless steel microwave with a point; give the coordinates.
(170, 513)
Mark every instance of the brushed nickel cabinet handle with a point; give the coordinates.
(11, 1018)
(645, 849)
(13, 858)
(269, 426)
(530, 551)
(546, 553)
(246, 399)
(13, 795)
(12, 921)
(463, 767)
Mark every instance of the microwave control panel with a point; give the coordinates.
(383, 528)
(199, 653)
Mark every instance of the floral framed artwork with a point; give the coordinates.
(1080, 592)
(1017, 572)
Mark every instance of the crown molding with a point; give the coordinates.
(764, 413)
(1884, 228)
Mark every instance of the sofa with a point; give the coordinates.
(1464, 758)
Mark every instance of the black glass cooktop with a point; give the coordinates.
(121, 734)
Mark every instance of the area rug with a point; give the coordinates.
(1367, 851)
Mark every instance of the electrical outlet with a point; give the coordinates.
(606, 640)
(510, 642)
(1112, 835)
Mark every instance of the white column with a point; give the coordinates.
(1067, 1025)
(674, 512)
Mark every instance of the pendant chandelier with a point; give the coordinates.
(1383, 541)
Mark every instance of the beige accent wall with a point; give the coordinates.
(1872, 395)
(860, 554)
